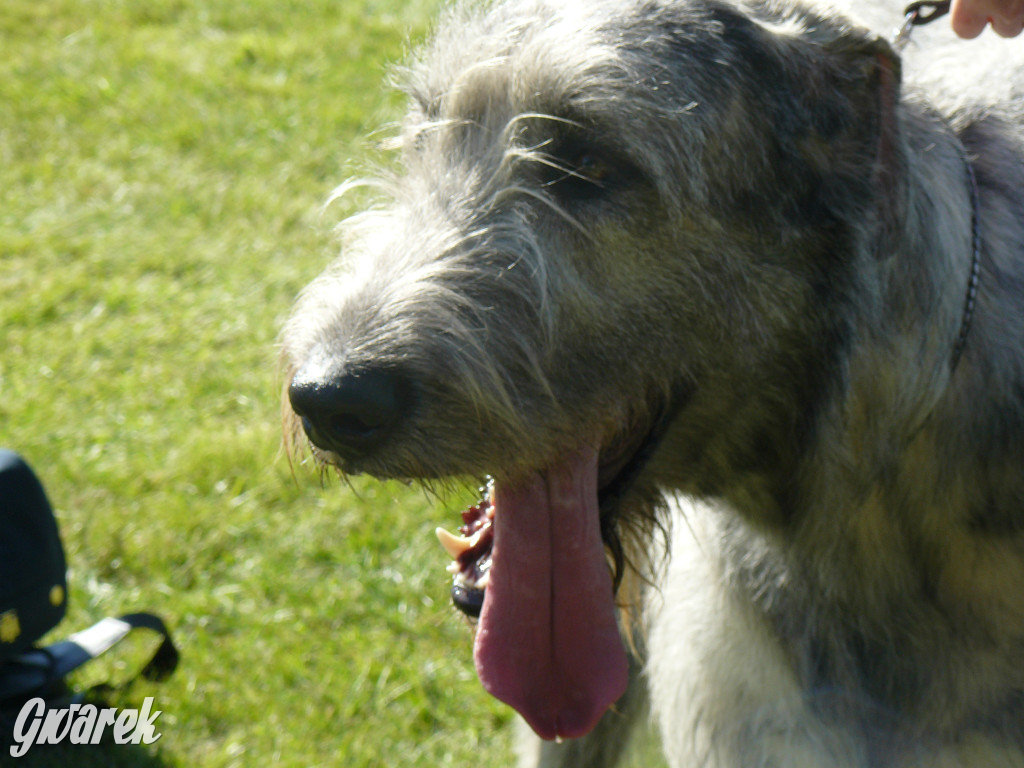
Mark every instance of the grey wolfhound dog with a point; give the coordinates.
(728, 300)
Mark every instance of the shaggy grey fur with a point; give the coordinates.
(737, 221)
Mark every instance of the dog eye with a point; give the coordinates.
(592, 167)
(582, 175)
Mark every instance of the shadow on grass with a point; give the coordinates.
(85, 756)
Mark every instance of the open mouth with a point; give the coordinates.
(470, 549)
(531, 562)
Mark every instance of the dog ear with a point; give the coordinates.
(870, 76)
(869, 72)
(824, 99)
(840, 130)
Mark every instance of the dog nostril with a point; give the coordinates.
(350, 414)
(354, 424)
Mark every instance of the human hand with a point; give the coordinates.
(969, 17)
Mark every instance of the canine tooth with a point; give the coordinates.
(453, 545)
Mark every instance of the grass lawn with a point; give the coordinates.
(162, 167)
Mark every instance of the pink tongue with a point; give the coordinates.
(547, 642)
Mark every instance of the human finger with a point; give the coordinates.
(967, 22)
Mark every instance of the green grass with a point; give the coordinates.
(162, 168)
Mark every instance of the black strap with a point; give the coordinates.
(41, 671)
(926, 11)
(916, 14)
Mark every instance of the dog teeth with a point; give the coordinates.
(453, 545)
(470, 582)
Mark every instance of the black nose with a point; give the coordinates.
(351, 414)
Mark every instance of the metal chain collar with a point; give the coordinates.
(916, 14)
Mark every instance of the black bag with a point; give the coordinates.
(33, 598)
(33, 586)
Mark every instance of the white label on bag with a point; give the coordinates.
(101, 635)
